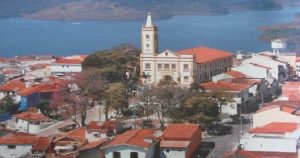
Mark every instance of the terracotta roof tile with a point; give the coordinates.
(180, 131)
(31, 116)
(42, 144)
(276, 128)
(204, 54)
(133, 137)
(174, 144)
(236, 74)
(13, 85)
(15, 139)
(79, 133)
(68, 61)
(93, 144)
(29, 90)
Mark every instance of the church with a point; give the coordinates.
(184, 67)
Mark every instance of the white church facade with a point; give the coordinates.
(183, 67)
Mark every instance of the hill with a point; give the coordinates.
(124, 9)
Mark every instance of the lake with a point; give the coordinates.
(233, 32)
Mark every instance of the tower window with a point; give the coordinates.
(147, 36)
(186, 78)
(185, 67)
(147, 45)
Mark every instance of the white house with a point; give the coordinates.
(67, 65)
(184, 67)
(15, 145)
(278, 111)
(31, 122)
(273, 137)
(139, 143)
(279, 69)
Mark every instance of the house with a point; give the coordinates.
(29, 97)
(279, 69)
(180, 141)
(67, 65)
(291, 91)
(15, 145)
(92, 149)
(104, 129)
(242, 91)
(138, 143)
(31, 122)
(228, 75)
(12, 89)
(278, 111)
(239, 153)
(183, 67)
(78, 140)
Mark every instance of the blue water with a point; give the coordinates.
(233, 32)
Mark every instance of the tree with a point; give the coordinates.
(199, 108)
(147, 96)
(169, 97)
(115, 97)
(78, 94)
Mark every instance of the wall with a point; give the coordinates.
(269, 144)
(252, 71)
(19, 151)
(29, 101)
(263, 118)
(172, 153)
(126, 149)
(67, 68)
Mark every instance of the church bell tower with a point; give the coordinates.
(149, 37)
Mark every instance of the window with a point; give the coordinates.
(147, 36)
(159, 66)
(185, 66)
(11, 146)
(173, 66)
(147, 66)
(134, 155)
(116, 155)
(186, 78)
(147, 45)
(167, 66)
(167, 150)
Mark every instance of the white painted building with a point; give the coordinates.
(67, 65)
(278, 69)
(182, 67)
(273, 137)
(139, 143)
(31, 122)
(278, 111)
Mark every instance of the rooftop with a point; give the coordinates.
(13, 85)
(258, 154)
(204, 54)
(180, 131)
(276, 128)
(133, 137)
(68, 61)
(236, 74)
(39, 143)
(31, 116)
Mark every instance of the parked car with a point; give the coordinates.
(219, 129)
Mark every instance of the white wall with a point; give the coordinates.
(22, 125)
(172, 153)
(19, 151)
(65, 68)
(269, 144)
(273, 115)
(252, 71)
(125, 151)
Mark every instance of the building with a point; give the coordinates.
(180, 141)
(138, 143)
(291, 91)
(67, 65)
(105, 129)
(238, 153)
(183, 67)
(31, 122)
(12, 88)
(92, 149)
(15, 145)
(243, 91)
(30, 97)
(278, 111)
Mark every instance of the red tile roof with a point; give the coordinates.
(31, 116)
(204, 54)
(29, 90)
(282, 104)
(259, 154)
(16, 138)
(133, 137)
(180, 131)
(291, 90)
(93, 145)
(68, 61)
(276, 128)
(236, 74)
(79, 133)
(48, 88)
(42, 144)
(13, 85)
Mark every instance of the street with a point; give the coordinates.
(226, 142)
